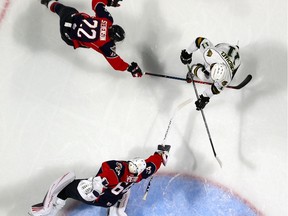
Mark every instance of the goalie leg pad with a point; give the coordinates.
(45, 208)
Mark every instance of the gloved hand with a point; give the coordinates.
(113, 3)
(135, 70)
(185, 57)
(201, 102)
(163, 150)
(92, 188)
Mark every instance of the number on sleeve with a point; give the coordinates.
(205, 44)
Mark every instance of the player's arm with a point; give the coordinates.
(153, 163)
(218, 86)
(108, 51)
(107, 171)
(92, 188)
(200, 43)
(117, 63)
(215, 89)
(109, 3)
(98, 6)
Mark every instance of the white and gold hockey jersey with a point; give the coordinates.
(221, 53)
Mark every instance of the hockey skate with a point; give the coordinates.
(40, 210)
(51, 203)
(46, 2)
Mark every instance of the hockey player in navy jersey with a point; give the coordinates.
(219, 65)
(97, 32)
(110, 188)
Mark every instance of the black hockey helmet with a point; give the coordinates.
(116, 33)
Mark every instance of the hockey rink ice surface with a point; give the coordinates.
(68, 110)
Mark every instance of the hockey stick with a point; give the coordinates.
(239, 86)
(205, 122)
(180, 106)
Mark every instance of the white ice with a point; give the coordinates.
(63, 109)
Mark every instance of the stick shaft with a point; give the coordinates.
(205, 122)
(239, 86)
(180, 106)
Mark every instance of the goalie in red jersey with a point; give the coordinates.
(97, 32)
(110, 188)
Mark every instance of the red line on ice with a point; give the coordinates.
(4, 10)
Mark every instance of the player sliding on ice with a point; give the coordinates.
(220, 63)
(96, 32)
(110, 188)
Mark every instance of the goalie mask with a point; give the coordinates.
(218, 71)
(136, 166)
(116, 33)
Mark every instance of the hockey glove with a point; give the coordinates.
(135, 70)
(91, 188)
(185, 57)
(113, 3)
(201, 102)
(163, 150)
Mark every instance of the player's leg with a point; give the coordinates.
(51, 203)
(65, 14)
(71, 191)
(48, 3)
(119, 208)
(87, 191)
(60, 9)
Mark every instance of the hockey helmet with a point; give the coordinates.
(136, 166)
(116, 33)
(218, 71)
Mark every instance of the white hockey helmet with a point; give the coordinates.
(218, 71)
(136, 166)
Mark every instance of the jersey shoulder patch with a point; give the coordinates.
(109, 50)
(150, 170)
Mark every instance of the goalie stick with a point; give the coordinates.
(180, 106)
(239, 86)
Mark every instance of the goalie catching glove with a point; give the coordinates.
(163, 150)
(92, 188)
